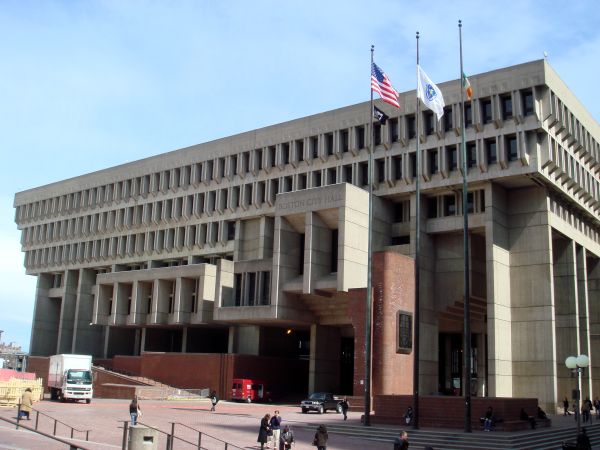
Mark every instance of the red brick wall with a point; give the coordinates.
(448, 412)
(40, 365)
(393, 290)
(129, 364)
(104, 386)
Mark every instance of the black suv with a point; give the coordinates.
(320, 402)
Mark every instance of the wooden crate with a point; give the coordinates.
(12, 390)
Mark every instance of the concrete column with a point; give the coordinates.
(247, 341)
(499, 350)
(317, 253)
(584, 317)
(67, 312)
(532, 297)
(324, 364)
(143, 340)
(353, 226)
(593, 285)
(87, 339)
(46, 317)
(566, 310)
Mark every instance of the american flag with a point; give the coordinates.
(381, 84)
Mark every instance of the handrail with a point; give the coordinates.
(56, 421)
(200, 433)
(148, 381)
(71, 445)
(170, 437)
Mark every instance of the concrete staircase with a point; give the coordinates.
(543, 439)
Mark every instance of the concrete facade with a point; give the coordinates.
(230, 245)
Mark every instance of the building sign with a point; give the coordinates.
(404, 331)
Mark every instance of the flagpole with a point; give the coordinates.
(417, 268)
(368, 308)
(467, 298)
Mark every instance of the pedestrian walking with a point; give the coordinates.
(134, 410)
(401, 442)
(345, 405)
(263, 431)
(286, 441)
(26, 404)
(214, 399)
(321, 437)
(275, 427)
(566, 407)
(585, 410)
(597, 407)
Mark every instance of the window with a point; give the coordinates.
(449, 205)
(490, 151)
(527, 98)
(393, 125)
(348, 174)
(302, 181)
(314, 147)
(334, 251)
(329, 144)
(511, 148)
(471, 154)
(302, 242)
(299, 144)
(397, 161)
(285, 153)
(411, 127)
(468, 115)
(377, 134)
(470, 203)
(447, 119)
(404, 327)
(399, 212)
(433, 161)
(413, 164)
(344, 140)
(429, 123)
(360, 137)
(364, 172)
(432, 207)
(452, 159)
(486, 110)
(507, 107)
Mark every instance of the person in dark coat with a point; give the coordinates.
(401, 442)
(525, 416)
(566, 407)
(321, 437)
(263, 432)
(583, 441)
(134, 410)
(286, 440)
(345, 405)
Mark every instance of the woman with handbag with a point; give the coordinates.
(263, 431)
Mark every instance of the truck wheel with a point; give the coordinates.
(88, 400)
(339, 409)
(321, 409)
(52, 394)
(61, 397)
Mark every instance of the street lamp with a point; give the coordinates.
(577, 365)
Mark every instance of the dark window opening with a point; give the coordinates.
(230, 231)
(452, 158)
(448, 119)
(334, 251)
(302, 239)
(429, 123)
(314, 147)
(360, 137)
(433, 161)
(486, 111)
(432, 203)
(380, 170)
(491, 153)
(348, 174)
(398, 167)
(468, 115)
(449, 205)
(317, 179)
(400, 240)
(364, 172)
(511, 145)
(377, 134)
(413, 164)
(329, 144)
(411, 126)
(344, 140)
(507, 107)
(471, 154)
(238, 289)
(470, 203)
(528, 106)
(393, 124)
(398, 212)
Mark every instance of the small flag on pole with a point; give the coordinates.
(381, 84)
(467, 87)
(379, 115)
(430, 94)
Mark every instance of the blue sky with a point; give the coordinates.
(93, 84)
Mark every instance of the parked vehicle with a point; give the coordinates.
(70, 377)
(249, 390)
(321, 402)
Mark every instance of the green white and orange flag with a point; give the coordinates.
(467, 87)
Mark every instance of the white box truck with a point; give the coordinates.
(70, 377)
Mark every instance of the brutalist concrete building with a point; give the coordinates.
(256, 244)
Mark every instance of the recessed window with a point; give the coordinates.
(471, 154)
(432, 207)
(329, 144)
(507, 107)
(411, 128)
(397, 161)
(413, 164)
(433, 161)
(429, 123)
(511, 148)
(393, 126)
(528, 107)
(452, 158)
(377, 133)
(344, 140)
(490, 151)
(449, 205)
(448, 119)
(360, 137)
(380, 164)
(314, 147)
(470, 202)
(486, 110)
(468, 115)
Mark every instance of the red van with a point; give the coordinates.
(249, 390)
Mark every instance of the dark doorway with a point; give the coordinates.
(347, 366)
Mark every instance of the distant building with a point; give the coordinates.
(223, 246)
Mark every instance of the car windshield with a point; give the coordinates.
(317, 396)
(74, 376)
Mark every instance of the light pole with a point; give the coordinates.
(577, 365)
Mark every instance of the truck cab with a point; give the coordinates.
(70, 377)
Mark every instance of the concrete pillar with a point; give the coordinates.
(248, 340)
(317, 257)
(499, 347)
(231, 347)
(67, 312)
(584, 317)
(184, 334)
(143, 340)
(87, 339)
(324, 364)
(593, 286)
(46, 316)
(566, 310)
(532, 298)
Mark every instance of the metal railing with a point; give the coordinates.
(72, 446)
(56, 422)
(171, 438)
